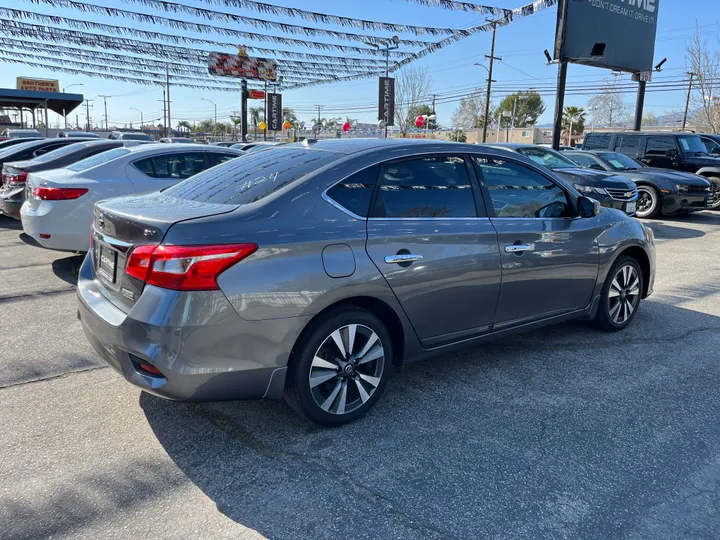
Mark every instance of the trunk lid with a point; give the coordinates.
(123, 223)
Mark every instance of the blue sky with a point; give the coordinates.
(520, 45)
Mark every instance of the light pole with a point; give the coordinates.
(512, 120)
(572, 121)
(428, 118)
(142, 124)
(592, 122)
(215, 124)
(385, 43)
(68, 86)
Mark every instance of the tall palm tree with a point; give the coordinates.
(184, 125)
(255, 114)
(575, 117)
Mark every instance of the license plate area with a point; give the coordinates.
(106, 259)
(630, 208)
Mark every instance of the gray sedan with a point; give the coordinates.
(313, 270)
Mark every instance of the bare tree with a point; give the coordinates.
(609, 108)
(471, 111)
(704, 63)
(412, 88)
(649, 119)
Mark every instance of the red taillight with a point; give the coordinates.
(150, 369)
(185, 268)
(14, 176)
(58, 194)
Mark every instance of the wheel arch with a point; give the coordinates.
(709, 171)
(377, 307)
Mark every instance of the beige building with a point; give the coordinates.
(528, 135)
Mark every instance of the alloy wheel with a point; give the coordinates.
(347, 369)
(645, 202)
(624, 294)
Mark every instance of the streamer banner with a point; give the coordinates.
(241, 67)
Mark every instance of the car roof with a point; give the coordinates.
(516, 145)
(356, 145)
(179, 147)
(651, 133)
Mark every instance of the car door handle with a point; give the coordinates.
(519, 248)
(402, 258)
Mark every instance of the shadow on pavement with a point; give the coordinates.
(10, 223)
(29, 240)
(564, 432)
(664, 231)
(68, 268)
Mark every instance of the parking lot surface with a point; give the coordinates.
(565, 432)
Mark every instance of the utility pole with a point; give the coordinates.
(492, 58)
(433, 105)
(105, 103)
(164, 112)
(687, 101)
(87, 114)
(319, 108)
(167, 83)
(243, 110)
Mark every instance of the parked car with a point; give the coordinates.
(561, 148)
(59, 206)
(678, 151)
(711, 142)
(20, 134)
(312, 270)
(176, 140)
(611, 190)
(7, 143)
(30, 149)
(246, 147)
(226, 144)
(82, 134)
(122, 136)
(660, 191)
(15, 173)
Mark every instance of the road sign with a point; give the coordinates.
(256, 94)
(643, 76)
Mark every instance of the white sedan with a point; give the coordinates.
(58, 209)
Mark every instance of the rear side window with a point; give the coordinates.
(98, 159)
(627, 144)
(432, 187)
(253, 176)
(172, 165)
(597, 141)
(354, 193)
(659, 145)
(216, 158)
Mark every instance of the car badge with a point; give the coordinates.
(101, 220)
(148, 233)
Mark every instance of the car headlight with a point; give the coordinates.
(682, 188)
(590, 189)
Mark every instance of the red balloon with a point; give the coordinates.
(346, 127)
(419, 121)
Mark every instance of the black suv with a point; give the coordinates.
(679, 151)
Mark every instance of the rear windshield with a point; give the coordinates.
(19, 148)
(136, 137)
(98, 159)
(251, 177)
(60, 152)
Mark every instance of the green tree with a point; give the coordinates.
(205, 126)
(526, 106)
(289, 115)
(255, 115)
(649, 119)
(458, 136)
(420, 110)
(577, 115)
(184, 125)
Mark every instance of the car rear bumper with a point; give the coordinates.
(61, 226)
(11, 201)
(203, 348)
(675, 202)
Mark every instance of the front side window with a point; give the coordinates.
(430, 187)
(519, 192)
(658, 146)
(354, 193)
(627, 144)
(172, 165)
(692, 144)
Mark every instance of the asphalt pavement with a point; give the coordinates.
(561, 433)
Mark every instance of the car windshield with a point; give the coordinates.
(547, 158)
(136, 137)
(98, 159)
(62, 151)
(254, 177)
(19, 148)
(19, 133)
(692, 144)
(620, 162)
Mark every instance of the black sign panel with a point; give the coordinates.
(275, 116)
(614, 34)
(386, 101)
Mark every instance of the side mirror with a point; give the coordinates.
(596, 166)
(588, 207)
(671, 152)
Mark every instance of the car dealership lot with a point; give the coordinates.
(564, 432)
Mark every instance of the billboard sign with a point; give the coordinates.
(256, 94)
(612, 34)
(38, 85)
(242, 67)
(386, 101)
(274, 103)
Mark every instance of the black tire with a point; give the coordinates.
(605, 317)
(314, 343)
(716, 201)
(651, 195)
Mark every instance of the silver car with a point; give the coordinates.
(313, 270)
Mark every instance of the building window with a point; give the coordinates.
(525, 133)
